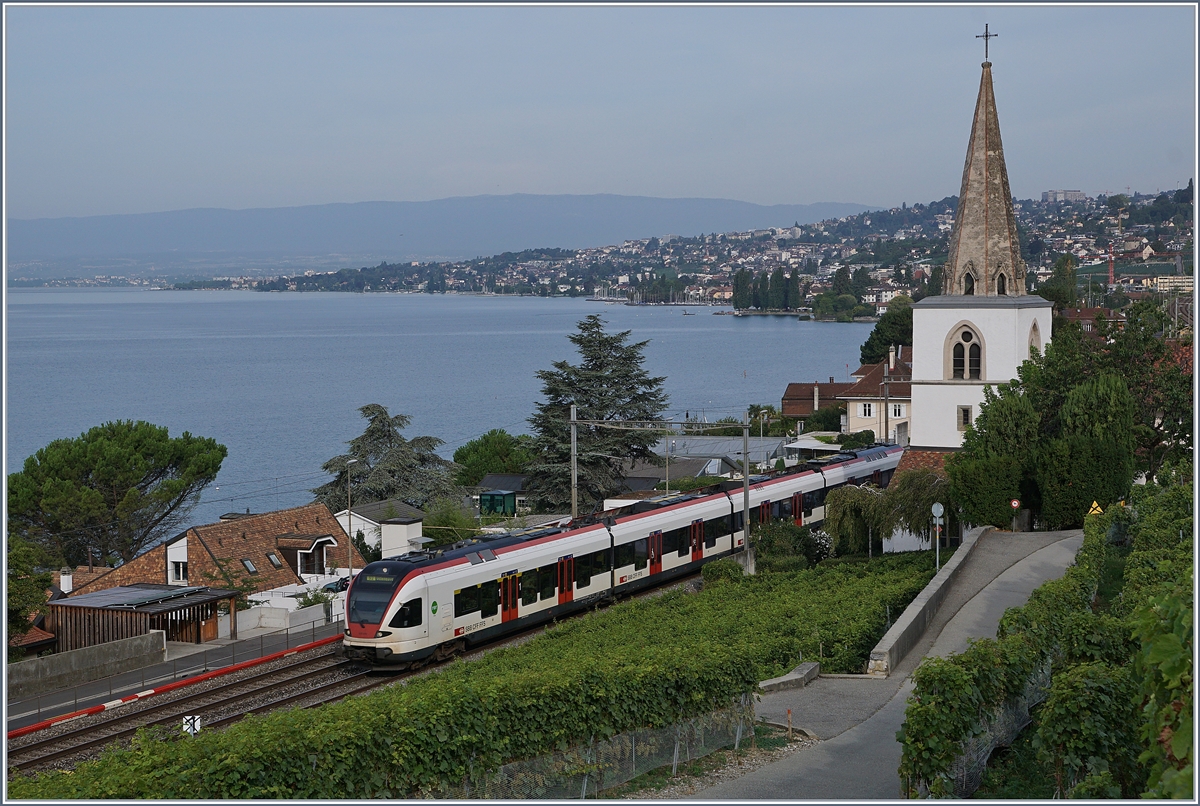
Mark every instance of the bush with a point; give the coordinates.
(720, 571)
(984, 488)
(859, 439)
(784, 541)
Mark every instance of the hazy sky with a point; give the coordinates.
(140, 109)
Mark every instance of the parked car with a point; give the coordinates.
(338, 585)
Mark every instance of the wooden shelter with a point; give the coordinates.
(184, 614)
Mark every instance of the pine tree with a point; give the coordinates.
(609, 383)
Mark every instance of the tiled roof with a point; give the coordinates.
(923, 460)
(36, 635)
(870, 386)
(798, 397)
(379, 511)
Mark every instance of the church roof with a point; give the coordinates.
(984, 245)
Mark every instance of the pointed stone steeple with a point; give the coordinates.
(985, 253)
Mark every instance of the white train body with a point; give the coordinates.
(429, 604)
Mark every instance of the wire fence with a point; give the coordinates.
(586, 770)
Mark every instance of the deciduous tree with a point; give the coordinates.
(497, 451)
(893, 328)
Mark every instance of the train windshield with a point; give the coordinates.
(371, 592)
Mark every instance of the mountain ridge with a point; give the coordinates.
(460, 227)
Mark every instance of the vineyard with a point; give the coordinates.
(645, 663)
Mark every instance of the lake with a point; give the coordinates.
(278, 378)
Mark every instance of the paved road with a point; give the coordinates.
(858, 717)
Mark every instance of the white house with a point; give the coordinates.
(392, 525)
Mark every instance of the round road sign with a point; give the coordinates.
(1015, 504)
(937, 509)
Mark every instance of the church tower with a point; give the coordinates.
(983, 325)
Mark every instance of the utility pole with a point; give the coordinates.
(746, 478)
(574, 469)
(349, 526)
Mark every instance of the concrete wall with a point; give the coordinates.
(28, 678)
(273, 618)
(911, 625)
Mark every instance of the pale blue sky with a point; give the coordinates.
(136, 109)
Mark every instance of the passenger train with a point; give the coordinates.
(427, 605)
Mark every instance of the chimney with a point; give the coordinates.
(892, 357)
(816, 396)
(831, 379)
(65, 580)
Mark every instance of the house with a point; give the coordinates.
(392, 525)
(881, 399)
(1086, 318)
(265, 551)
(800, 400)
(506, 482)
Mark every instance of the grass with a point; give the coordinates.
(766, 737)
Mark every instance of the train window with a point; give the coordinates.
(529, 587)
(641, 553)
(715, 529)
(739, 522)
(785, 509)
(409, 614)
(600, 564)
(466, 601)
(583, 571)
(683, 540)
(624, 555)
(548, 574)
(489, 598)
(670, 542)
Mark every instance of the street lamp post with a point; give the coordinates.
(349, 526)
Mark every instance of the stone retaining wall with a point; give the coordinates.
(911, 625)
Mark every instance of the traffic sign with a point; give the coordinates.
(1015, 504)
(1095, 510)
(937, 509)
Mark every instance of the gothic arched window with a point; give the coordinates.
(1000, 286)
(964, 353)
(973, 366)
(959, 363)
(969, 285)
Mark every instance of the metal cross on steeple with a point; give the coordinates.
(985, 36)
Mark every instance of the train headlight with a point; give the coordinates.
(383, 633)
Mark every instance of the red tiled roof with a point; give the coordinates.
(871, 384)
(36, 635)
(923, 460)
(798, 398)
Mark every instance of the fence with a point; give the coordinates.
(588, 769)
(28, 711)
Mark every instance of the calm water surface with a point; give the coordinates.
(278, 378)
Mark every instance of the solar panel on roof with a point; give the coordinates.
(157, 597)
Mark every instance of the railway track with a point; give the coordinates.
(256, 693)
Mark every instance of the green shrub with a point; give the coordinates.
(720, 571)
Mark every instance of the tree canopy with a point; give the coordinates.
(388, 465)
(894, 327)
(609, 383)
(119, 488)
(497, 451)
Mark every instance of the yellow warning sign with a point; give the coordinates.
(1095, 510)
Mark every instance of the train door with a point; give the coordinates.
(798, 508)
(697, 537)
(764, 512)
(509, 596)
(566, 579)
(656, 551)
